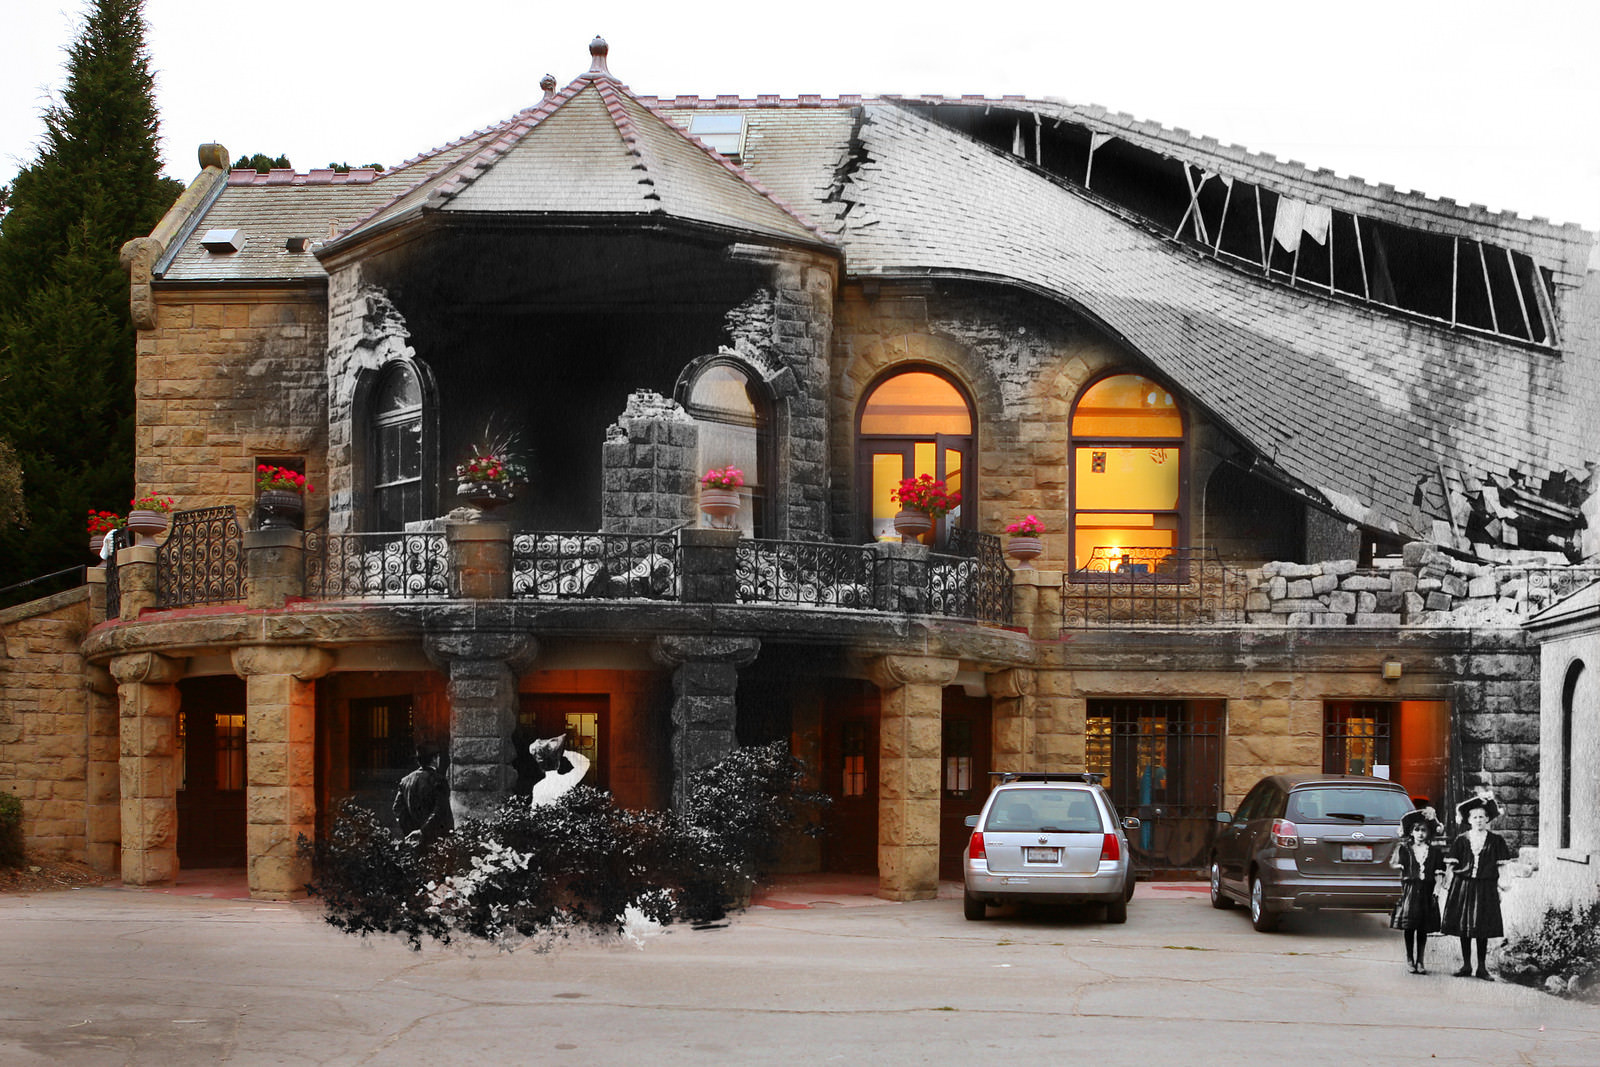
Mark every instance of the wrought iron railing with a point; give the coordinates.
(348, 566)
(119, 539)
(594, 566)
(985, 583)
(1153, 587)
(811, 573)
(202, 559)
(1544, 586)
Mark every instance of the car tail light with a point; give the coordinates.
(1111, 849)
(1285, 834)
(975, 847)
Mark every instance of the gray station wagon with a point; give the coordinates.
(1305, 842)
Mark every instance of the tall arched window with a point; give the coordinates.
(1569, 765)
(913, 423)
(1127, 475)
(396, 448)
(735, 428)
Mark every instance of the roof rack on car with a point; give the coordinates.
(1046, 776)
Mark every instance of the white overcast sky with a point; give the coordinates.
(1484, 102)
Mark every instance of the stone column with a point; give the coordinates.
(136, 580)
(1013, 725)
(1036, 602)
(95, 579)
(280, 763)
(705, 678)
(901, 582)
(708, 566)
(482, 669)
(909, 741)
(147, 712)
(480, 560)
(103, 795)
(274, 567)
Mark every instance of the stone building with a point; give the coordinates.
(1307, 452)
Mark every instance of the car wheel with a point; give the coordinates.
(973, 907)
(1262, 917)
(1219, 899)
(1116, 911)
(1127, 890)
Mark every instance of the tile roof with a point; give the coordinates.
(1361, 407)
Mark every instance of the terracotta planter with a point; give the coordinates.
(486, 496)
(279, 509)
(95, 543)
(146, 526)
(911, 524)
(1024, 550)
(721, 504)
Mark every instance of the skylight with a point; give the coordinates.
(720, 130)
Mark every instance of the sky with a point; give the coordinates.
(1491, 103)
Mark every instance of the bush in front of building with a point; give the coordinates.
(1561, 957)
(581, 863)
(11, 850)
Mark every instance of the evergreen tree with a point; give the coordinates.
(260, 162)
(66, 338)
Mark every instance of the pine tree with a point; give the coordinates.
(66, 337)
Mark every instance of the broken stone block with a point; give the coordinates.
(1483, 586)
(1300, 570)
(1428, 585)
(1300, 618)
(1403, 581)
(1370, 583)
(1390, 602)
(1300, 588)
(1414, 604)
(1454, 584)
(1366, 602)
(1278, 588)
(1338, 567)
(1377, 618)
(1342, 602)
(1324, 583)
(1330, 618)
(1437, 601)
(1416, 553)
(1298, 606)
(1256, 602)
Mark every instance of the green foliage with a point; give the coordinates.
(10, 830)
(345, 168)
(578, 864)
(66, 338)
(1566, 948)
(260, 162)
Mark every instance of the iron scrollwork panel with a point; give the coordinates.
(411, 566)
(594, 566)
(806, 572)
(202, 559)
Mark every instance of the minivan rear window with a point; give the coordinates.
(1347, 804)
(1064, 811)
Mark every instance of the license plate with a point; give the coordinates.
(1357, 853)
(1042, 855)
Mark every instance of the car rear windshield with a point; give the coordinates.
(1347, 804)
(1062, 811)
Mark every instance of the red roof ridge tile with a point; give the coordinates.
(290, 176)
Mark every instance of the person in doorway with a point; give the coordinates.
(1421, 866)
(1472, 907)
(422, 803)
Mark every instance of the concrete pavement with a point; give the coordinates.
(818, 972)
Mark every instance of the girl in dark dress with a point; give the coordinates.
(1421, 866)
(1472, 908)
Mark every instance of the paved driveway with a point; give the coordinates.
(112, 976)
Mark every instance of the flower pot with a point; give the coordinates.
(911, 524)
(721, 504)
(1024, 550)
(146, 526)
(96, 541)
(279, 509)
(486, 496)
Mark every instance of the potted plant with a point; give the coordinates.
(1025, 546)
(280, 497)
(719, 494)
(922, 500)
(101, 523)
(491, 475)
(148, 517)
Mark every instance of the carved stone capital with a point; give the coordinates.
(891, 672)
(147, 668)
(672, 650)
(98, 679)
(1011, 683)
(302, 661)
(515, 650)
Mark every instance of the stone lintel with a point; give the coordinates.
(146, 668)
(674, 650)
(304, 662)
(516, 650)
(894, 671)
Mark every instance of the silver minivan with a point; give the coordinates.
(1048, 839)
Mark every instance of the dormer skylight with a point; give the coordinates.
(720, 130)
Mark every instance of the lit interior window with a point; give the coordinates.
(1127, 475)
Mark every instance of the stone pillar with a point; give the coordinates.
(136, 580)
(95, 579)
(103, 795)
(649, 483)
(902, 577)
(708, 565)
(705, 678)
(1036, 602)
(274, 567)
(1012, 730)
(147, 712)
(909, 742)
(480, 560)
(482, 669)
(280, 763)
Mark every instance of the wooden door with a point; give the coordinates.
(850, 777)
(211, 773)
(963, 774)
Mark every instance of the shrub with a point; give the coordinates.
(1563, 955)
(11, 851)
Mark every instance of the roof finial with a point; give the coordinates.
(598, 49)
(548, 84)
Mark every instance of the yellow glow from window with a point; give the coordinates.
(1127, 405)
(1121, 532)
(886, 475)
(916, 404)
(1132, 478)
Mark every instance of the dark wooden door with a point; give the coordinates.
(850, 777)
(211, 773)
(963, 774)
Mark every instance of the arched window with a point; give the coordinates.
(913, 423)
(1127, 475)
(396, 448)
(735, 428)
(1569, 766)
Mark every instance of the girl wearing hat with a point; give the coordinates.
(1421, 865)
(1472, 908)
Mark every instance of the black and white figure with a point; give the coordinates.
(548, 755)
(1472, 908)
(422, 802)
(1421, 865)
